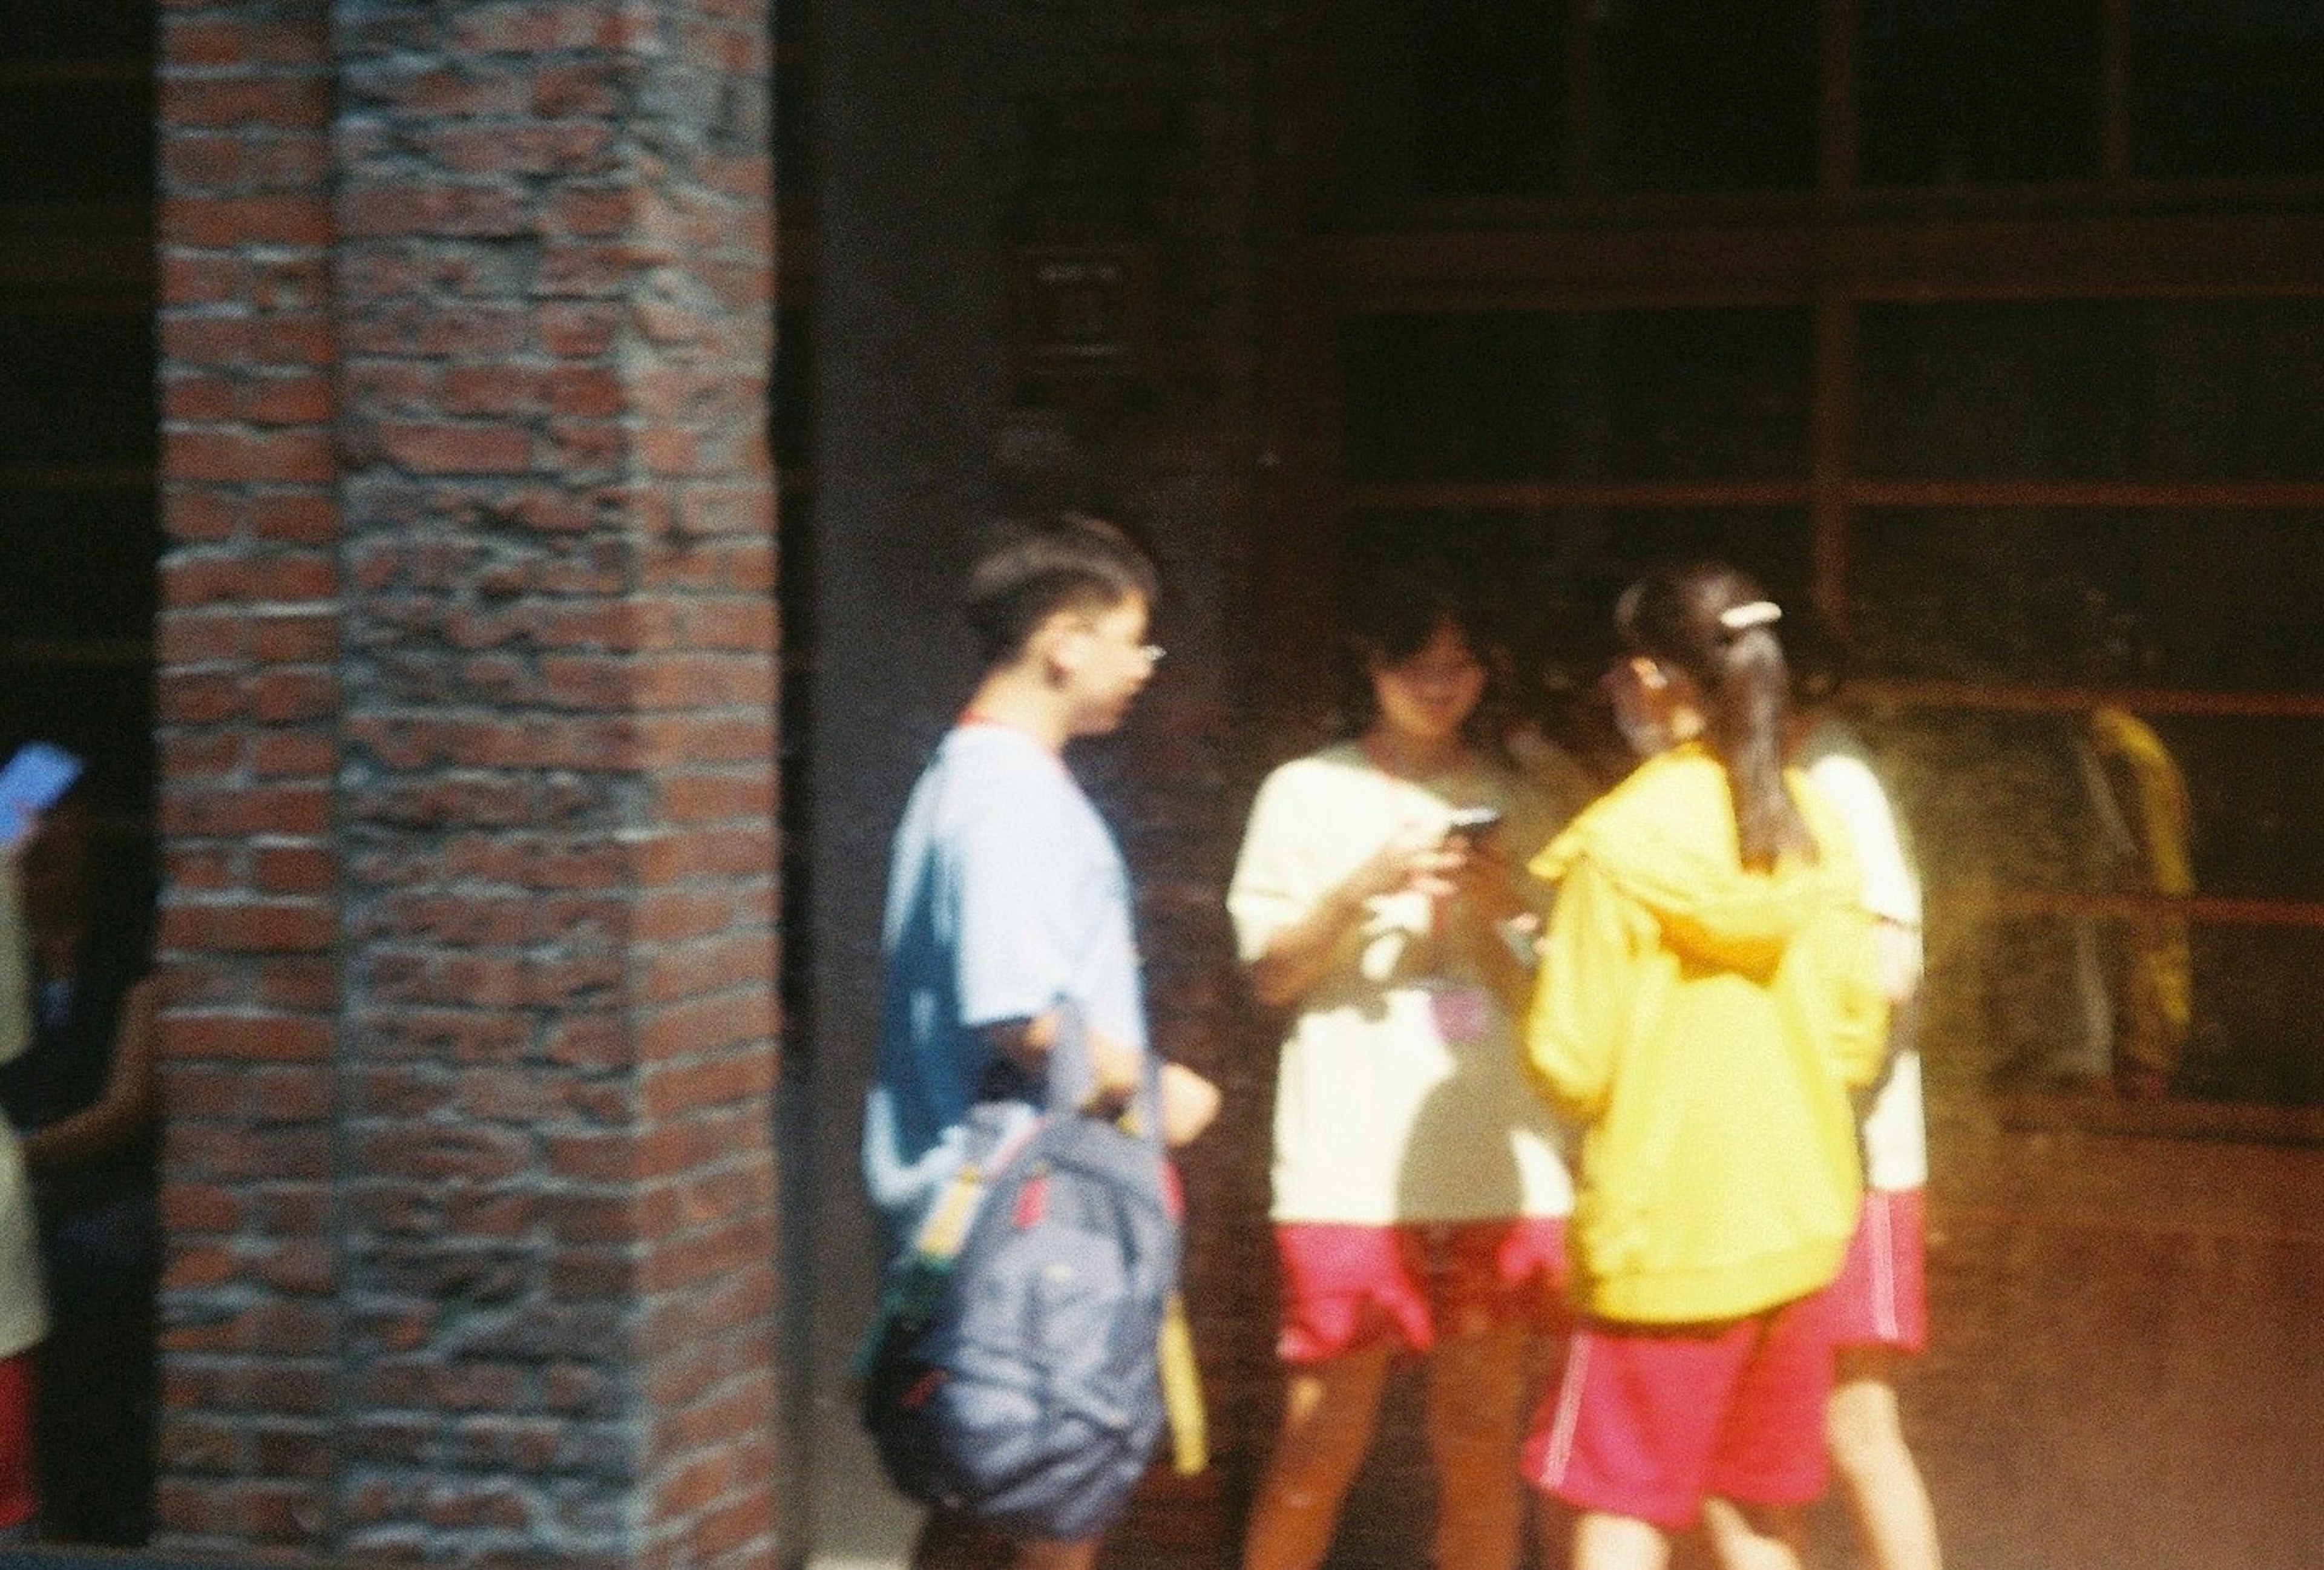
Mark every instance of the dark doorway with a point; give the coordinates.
(78, 434)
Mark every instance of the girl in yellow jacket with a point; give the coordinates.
(1708, 996)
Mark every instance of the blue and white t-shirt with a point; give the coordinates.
(1007, 895)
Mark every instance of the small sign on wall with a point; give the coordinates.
(1077, 312)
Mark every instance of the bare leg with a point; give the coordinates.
(1329, 1412)
(1553, 1522)
(1754, 1536)
(1476, 1395)
(1876, 1472)
(1691, 1550)
(1606, 1542)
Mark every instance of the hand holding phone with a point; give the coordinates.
(39, 773)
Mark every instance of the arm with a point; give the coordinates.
(1898, 948)
(1583, 1001)
(1892, 887)
(1116, 1066)
(1851, 996)
(1188, 1101)
(126, 1109)
(1189, 1104)
(1299, 954)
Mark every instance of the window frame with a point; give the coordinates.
(1836, 250)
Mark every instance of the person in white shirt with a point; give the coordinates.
(1879, 1304)
(1419, 1191)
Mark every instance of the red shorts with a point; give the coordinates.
(1650, 1422)
(1882, 1296)
(1346, 1286)
(15, 1440)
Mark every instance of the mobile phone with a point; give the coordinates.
(39, 773)
(1472, 823)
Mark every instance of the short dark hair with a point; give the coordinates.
(1029, 571)
(1396, 611)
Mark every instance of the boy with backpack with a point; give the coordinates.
(1008, 905)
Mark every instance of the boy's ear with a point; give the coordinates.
(1053, 644)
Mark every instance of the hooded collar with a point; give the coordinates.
(1666, 838)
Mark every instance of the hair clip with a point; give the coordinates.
(1756, 614)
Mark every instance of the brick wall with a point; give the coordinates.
(247, 697)
(468, 781)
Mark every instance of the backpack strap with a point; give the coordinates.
(1072, 1076)
(945, 1229)
(1182, 1391)
(1073, 1072)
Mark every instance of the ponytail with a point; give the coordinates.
(1711, 624)
(1748, 718)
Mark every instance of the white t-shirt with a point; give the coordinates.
(1399, 1096)
(1896, 1135)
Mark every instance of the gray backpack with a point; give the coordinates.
(1017, 1378)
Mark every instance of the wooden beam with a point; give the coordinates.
(2127, 496)
(2024, 1109)
(1854, 255)
(1517, 495)
(2031, 698)
(2177, 496)
(2204, 910)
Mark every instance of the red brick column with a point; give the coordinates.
(470, 921)
(247, 703)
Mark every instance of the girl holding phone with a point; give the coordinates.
(1419, 1191)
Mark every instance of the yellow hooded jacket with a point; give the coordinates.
(1703, 1024)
